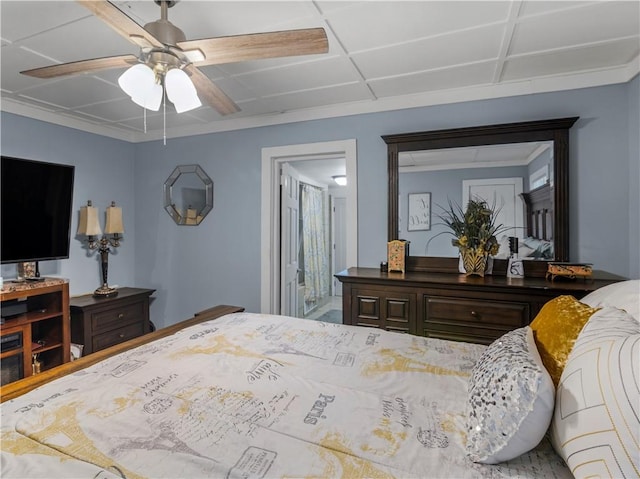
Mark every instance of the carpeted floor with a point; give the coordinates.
(331, 316)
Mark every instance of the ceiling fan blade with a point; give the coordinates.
(210, 93)
(120, 22)
(258, 46)
(83, 66)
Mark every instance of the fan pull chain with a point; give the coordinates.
(145, 120)
(164, 116)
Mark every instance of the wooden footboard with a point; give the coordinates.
(18, 388)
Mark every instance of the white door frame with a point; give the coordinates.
(272, 158)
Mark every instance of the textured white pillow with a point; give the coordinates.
(510, 400)
(623, 295)
(595, 426)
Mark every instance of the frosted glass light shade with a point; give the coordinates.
(139, 82)
(89, 224)
(114, 222)
(180, 90)
(152, 98)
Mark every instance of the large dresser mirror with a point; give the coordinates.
(522, 169)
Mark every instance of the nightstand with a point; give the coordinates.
(98, 323)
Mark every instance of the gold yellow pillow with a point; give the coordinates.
(555, 330)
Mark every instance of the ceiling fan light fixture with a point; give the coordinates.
(150, 99)
(181, 91)
(137, 80)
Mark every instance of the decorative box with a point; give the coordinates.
(396, 253)
(569, 270)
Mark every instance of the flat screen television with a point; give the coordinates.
(35, 211)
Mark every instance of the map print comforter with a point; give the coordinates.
(259, 396)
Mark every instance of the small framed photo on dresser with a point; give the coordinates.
(419, 212)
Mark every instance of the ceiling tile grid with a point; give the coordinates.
(382, 54)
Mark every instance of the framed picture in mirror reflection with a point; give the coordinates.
(419, 212)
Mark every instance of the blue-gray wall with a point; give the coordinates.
(104, 171)
(219, 261)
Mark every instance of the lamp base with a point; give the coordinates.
(105, 291)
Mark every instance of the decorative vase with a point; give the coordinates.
(474, 261)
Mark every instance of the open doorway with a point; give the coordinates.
(308, 285)
(272, 161)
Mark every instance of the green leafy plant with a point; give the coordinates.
(473, 228)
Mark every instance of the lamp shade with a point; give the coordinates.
(180, 90)
(114, 220)
(139, 82)
(151, 99)
(89, 224)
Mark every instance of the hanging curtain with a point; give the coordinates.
(316, 262)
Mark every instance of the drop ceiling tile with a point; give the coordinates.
(301, 76)
(114, 111)
(110, 76)
(74, 92)
(18, 59)
(240, 68)
(573, 60)
(82, 40)
(332, 6)
(447, 50)
(36, 17)
(592, 23)
(541, 7)
(446, 78)
(236, 90)
(205, 19)
(367, 25)
(321, 97)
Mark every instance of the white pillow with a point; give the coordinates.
(510, 400)
(623, 295)
(595, 426)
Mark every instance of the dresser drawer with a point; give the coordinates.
(389, 310)
(478, 312)
(121, 315)
(116, 336)
(480, 321)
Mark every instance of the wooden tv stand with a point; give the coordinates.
(40, 330)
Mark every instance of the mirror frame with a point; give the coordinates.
(169, 204)
(556, 130)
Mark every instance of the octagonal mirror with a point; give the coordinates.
(188, 195)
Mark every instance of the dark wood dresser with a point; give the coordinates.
(449, 306)
(98, 323)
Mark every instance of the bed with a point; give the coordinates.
(251, 395)
(539, 214)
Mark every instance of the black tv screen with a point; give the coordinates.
(35, 212)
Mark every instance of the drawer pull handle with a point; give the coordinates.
(121, 335)
(474, 314)
(121, 315)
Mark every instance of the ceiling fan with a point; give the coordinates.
(164, 49)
